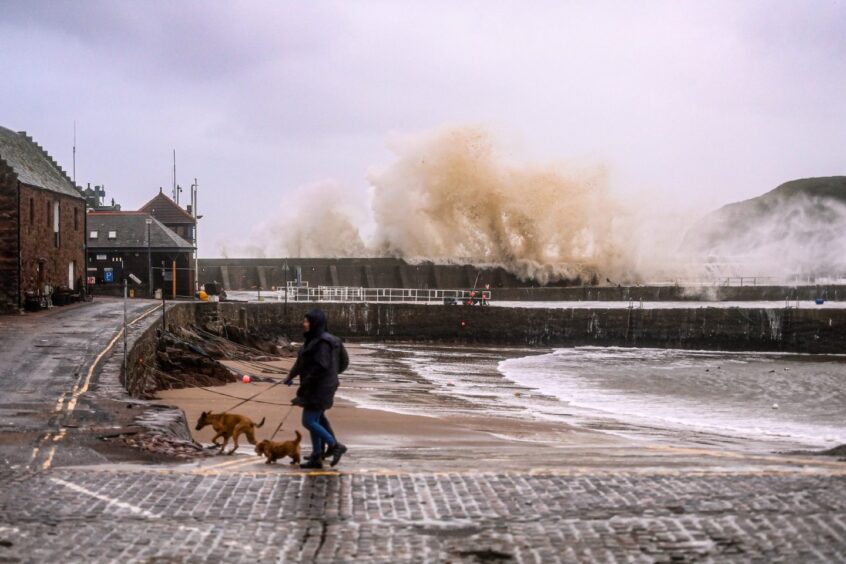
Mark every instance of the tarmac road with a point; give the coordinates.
(48, 381)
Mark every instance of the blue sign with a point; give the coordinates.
(108, 276)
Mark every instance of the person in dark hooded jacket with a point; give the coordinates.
(319, 361)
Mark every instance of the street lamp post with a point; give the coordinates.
(149, 222)
(194, 188)
(125, 373)
(285, 269)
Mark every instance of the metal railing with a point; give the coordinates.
(383, 295)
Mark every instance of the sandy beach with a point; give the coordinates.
(440, 433)
(396, 439)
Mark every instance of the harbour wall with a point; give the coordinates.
(754, 329)
(250, 274)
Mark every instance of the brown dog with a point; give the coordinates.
(228, 425)
(274, 451)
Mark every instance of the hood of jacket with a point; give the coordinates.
(317, 324)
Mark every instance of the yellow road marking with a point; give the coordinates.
(104, 352)
(78, 390)
(236, 462)
(285, 470)
(785, 459)
(227, 466)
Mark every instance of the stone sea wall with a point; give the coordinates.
(778, 329)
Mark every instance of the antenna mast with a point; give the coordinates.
(74, 152)
(174, 175)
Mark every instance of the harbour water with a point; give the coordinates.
(757, 401)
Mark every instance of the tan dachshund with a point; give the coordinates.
(274, 451)
(228, 425)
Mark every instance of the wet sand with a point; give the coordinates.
(362, 427)
(390, 441)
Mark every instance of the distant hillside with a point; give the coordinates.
(800, 227)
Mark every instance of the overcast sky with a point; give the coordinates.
(700, 103)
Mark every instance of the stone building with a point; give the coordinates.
(42, 224)
(141, 249)
(173, 216)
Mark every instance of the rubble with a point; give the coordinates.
(190, 356)
(157, 443)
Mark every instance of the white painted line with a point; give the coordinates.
(111, 501)
(138, 510)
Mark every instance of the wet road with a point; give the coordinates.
(48, 381)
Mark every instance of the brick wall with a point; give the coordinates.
(38, 238)
(8, 240)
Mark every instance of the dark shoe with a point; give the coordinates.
(327, 452)
(337, 452)
(312, 464)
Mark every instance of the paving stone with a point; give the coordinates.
(153, 516)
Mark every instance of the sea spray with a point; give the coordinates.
(451, 195)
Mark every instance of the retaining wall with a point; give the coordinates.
(798, 330)
(832, 292)
(249, 274)
(734, 329)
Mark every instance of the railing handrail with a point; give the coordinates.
(362, 294)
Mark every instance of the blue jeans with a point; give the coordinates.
(319, 434)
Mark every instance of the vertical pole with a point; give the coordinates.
(149, 262)
(173, 294)
(194, 192)
(287, 319)
(175, 196)
(125, 373)
(74, 153)
(164, 305)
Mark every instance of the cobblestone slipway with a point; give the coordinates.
(172, 516)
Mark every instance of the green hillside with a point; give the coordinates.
(801, 224)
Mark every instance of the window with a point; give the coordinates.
(76, 219)
(56, 224)
(94, 234)
(49, 219)
(112, 234)
(32, 211)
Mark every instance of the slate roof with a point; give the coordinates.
(166, 210)
(33, 165)
(131, 228)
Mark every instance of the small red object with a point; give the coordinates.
(463, 324)
(246, 379)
